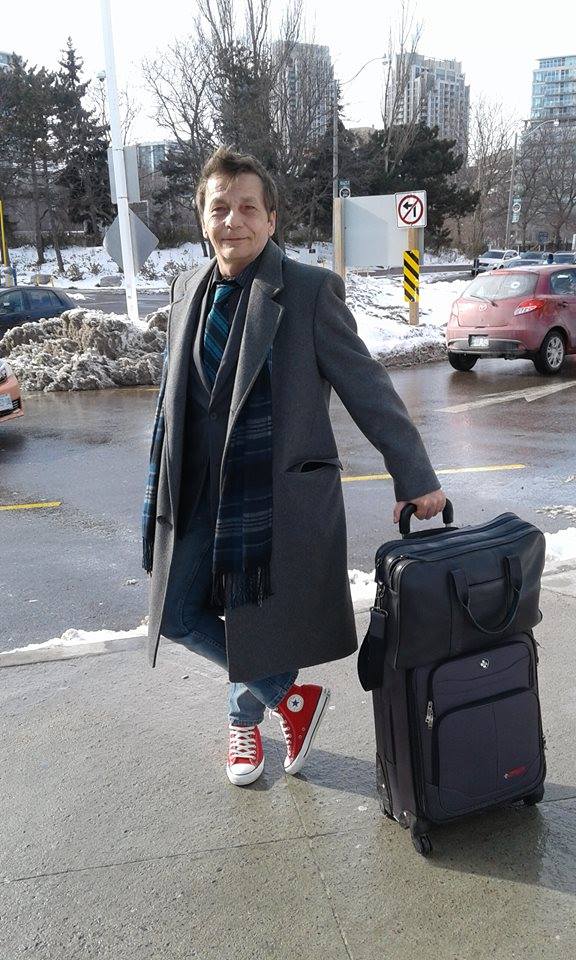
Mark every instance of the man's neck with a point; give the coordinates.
(229, 271)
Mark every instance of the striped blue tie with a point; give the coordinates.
(217, 328)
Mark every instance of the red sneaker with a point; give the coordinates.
(245, 755)
(300, 713)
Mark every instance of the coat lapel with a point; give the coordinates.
(263, 316)
(183, 316)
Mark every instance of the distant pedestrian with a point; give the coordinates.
(244, 514)
(550, 258)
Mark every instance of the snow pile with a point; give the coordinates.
(383, 318)
(560, 547)
(83, 266)
(84, 350)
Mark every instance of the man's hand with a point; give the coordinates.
(427, 506)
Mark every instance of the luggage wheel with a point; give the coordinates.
(532, 799)
(422, 844)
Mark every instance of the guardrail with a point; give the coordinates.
(463, 268)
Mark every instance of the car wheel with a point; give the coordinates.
(461, 361)
(550, 356)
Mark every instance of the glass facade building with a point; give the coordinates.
(554, 89)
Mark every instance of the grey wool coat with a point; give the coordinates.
(300, 311)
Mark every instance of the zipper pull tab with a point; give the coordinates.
(430, 715)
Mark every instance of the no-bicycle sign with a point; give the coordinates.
(411, 209)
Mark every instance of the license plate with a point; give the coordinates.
(6, 403)
(479, 341)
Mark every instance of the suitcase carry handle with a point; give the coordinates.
(514, 581)
(410, 509)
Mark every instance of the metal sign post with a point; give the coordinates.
(3, 236)
(119, 168)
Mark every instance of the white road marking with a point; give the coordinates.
(529, 394)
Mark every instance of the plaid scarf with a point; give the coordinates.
(243, 538)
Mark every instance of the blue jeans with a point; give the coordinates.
(189, 620)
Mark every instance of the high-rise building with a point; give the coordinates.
(151, 155)
(308, 86)
(554, 89)
(433, 92)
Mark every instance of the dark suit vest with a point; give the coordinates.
(206, 416)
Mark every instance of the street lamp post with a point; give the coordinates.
(513, 173)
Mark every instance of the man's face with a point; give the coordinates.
(236, 220)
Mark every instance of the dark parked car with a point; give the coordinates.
(527, 313)
(21, 304)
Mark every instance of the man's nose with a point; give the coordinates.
(233, 217)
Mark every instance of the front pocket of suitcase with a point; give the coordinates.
(488, 752)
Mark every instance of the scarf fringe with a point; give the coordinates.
(147, 554)
(235, 589)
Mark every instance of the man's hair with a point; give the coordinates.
(225, 162)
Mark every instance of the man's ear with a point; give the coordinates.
(271, 223)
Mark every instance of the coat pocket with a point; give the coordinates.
(314, 465)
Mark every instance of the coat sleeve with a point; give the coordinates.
(366, 391)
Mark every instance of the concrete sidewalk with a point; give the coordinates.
(121, 838)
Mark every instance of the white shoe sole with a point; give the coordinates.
(299, 761)
(242, 780)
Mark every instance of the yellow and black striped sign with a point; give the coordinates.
(412, 276)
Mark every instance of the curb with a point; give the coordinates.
(69, 651)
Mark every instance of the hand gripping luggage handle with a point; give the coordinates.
(514, 581)
(410, 509)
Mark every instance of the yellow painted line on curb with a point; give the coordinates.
(448, 472)
(31, 506)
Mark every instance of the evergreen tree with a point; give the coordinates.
(82, 144)
(428, 164)
(28, 100)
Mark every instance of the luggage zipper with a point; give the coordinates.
(497, 522)
(430, 547)
(430, 714)
(400, 563)
(474, 653)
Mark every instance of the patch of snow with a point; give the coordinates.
(362, 585)
(560, 546)
(84, 350)
(73, 638)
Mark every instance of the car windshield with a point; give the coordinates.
(501, 286)
(564, 258)
(531, 255)
(493, 255)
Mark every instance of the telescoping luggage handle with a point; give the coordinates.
(410, 509)
(514, 581)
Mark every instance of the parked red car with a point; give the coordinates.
(10, 396)
(522, 313)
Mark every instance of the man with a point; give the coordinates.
(244, 515)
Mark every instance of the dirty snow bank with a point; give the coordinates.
(84, 350)
(90, 350)
(383, 318)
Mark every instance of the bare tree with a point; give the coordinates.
(233, 84)
(558, 150)
(403, 39)
(128, 106)
(489, 171)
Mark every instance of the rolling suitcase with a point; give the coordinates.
(452, 663)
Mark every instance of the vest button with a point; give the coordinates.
(213, 416)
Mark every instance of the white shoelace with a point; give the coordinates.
(286, 729)
(243, 742)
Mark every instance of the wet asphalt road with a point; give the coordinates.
(114, 301)
(78, 565)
